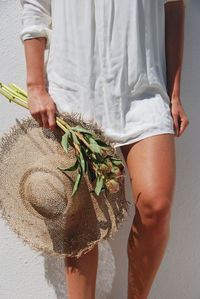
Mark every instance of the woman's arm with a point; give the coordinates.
(35, 34)
(174, 39)
(36, 21)
(174, 42)
(34, 52)
(41, 105)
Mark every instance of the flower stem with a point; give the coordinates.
(77, 133)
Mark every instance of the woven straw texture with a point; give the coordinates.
(35, 196)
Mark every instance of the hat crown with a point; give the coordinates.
(46, 190)
(43, 192)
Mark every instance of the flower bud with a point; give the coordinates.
(103, 167)
(115, 170)
(110, 165)
(112, 186)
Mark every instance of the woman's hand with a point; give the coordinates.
(180, 118)
(42, 107)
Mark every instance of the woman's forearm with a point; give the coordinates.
(174, 43)
(34, 53)
(40, 104)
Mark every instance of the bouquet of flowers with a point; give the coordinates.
(90, 152)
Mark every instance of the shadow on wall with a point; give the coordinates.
(111, 274)
(108, 266)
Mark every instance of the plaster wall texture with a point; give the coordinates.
(29, 275)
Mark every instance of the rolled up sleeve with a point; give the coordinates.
(36, 20)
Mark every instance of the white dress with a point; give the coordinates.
(106, 60)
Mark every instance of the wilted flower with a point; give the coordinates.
(115, 170)
(110, 165)
(112, 186)
(104, 168)
(89, 150)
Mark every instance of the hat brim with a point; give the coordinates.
(95, 218)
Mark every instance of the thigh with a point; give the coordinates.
(152, 167)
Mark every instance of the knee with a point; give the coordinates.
(155, 212)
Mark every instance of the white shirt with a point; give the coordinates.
(100, 52)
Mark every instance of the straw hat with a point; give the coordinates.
(36, 197)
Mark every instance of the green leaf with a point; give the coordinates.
(86, 166)
(86, 138)
(75, 139)
(82, 130)
(84, 151)
(112, 169)
(102, 143)
(77, 182)
(114, 159)
(82, 161)
(96, 167)
(108, 157)
(99, 184)
(92, 141)
(65, 139)
(93, 156)
(94, 146)
(74, 167)
(117, 163)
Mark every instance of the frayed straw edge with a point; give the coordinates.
(29, 122)
(63, 255)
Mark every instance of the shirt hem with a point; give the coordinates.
(118, 144)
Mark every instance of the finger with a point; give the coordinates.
(180, 125)
(45, 119)
(51, 119)
(39, 119)
(176, 126)
(183, 125)
(36, 116)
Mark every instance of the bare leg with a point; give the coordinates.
(81, 275)
(151, 165)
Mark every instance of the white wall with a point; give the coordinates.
(28, 275)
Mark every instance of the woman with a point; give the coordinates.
(119, 62)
